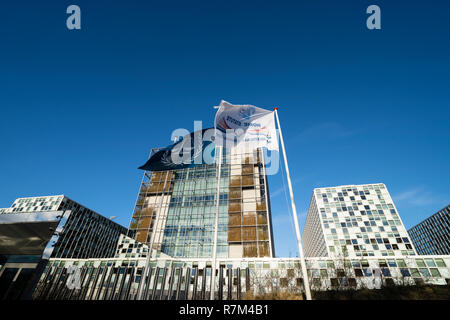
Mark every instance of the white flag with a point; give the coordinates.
(247, 126)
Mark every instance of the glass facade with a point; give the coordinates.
(176, 209)
(84, 232)
(355, 220)
(31, 234)
(191, 215)
(432, 236)
(182, 279)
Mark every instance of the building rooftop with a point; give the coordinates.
(352, 185)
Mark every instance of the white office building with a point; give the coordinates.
(355, 221)
(36, 204)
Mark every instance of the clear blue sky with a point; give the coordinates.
(81, 109)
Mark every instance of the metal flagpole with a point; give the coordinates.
(213, 265)
(294, 211)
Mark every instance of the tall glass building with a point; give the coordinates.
(176, 209)
(34, 230)
(432, 235)
(83, 234)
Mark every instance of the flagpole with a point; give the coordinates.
(216, 223)
(294, 211)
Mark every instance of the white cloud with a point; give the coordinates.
(417, 197)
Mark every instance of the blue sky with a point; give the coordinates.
(80, 110)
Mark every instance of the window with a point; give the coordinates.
(314, 273)
(401, 263)
(367, 272)
(440, 263)
(340, 273)
(334, 282)
(435, 272)
(386, 272)
(358, 272)
(420, 263)
(405, 272)
(392, 263)
(424, 272)
(430, 263)
(415, 272)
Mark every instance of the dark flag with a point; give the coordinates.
(193, 149)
